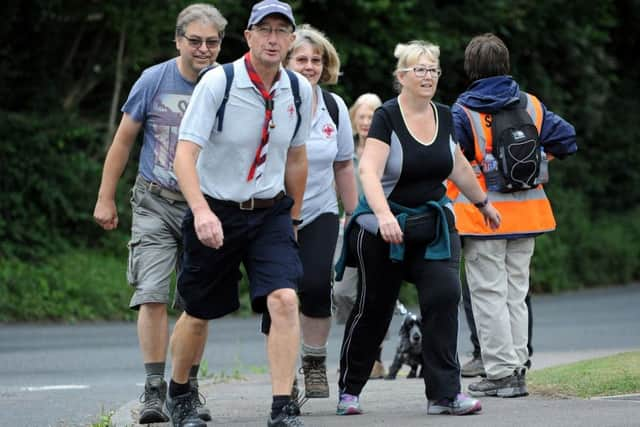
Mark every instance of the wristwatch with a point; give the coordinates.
(296, 221)
(482, 204)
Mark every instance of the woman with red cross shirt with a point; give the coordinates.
(330, 176)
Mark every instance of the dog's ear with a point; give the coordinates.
(406, 323)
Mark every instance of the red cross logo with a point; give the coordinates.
(328, 130)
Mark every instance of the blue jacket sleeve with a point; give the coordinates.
(462, 130)
(557, 136)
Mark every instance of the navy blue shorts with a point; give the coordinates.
(262, 239)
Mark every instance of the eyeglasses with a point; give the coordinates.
(265, 31)
(421, 71)
(303, 60)
(196, 42)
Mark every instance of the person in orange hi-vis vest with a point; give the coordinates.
(497, 260)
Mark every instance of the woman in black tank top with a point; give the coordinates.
(409, 154)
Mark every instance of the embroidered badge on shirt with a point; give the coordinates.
(291, 110)
(328, 130)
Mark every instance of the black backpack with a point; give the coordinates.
(332, 106)
(516, 147)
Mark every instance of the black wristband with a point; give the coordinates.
(296, 221)
(482, 204)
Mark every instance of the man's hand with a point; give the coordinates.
(106, 214)
(208, 228)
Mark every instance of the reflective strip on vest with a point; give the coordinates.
(521, 212)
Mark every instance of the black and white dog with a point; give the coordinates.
(409, 351)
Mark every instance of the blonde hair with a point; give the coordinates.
(330, 59)
(409, 53)
(369, 99)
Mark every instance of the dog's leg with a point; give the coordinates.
(412, 372)
(395, 366)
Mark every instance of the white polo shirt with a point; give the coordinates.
(326, 145)
(227, 156)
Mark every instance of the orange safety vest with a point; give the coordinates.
(521, 212)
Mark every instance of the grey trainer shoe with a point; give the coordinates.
(155, 393)
(461, 405)
(287, 417)
(182, 411)
(315, 377)
(473, 368)
(513, 385)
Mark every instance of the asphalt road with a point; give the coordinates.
(67, 375)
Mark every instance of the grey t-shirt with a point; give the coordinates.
(159, 99)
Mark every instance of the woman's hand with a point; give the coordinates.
(491, 216)
(389, 228)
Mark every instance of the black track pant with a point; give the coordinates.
(379, 281)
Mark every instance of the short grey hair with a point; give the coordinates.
(200, 12)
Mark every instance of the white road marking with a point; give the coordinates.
(55, 387)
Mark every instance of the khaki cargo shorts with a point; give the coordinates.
(155, 247)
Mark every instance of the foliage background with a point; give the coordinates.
(66, 67)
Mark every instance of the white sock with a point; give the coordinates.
(309, 350)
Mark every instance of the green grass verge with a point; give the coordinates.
(605, 376)
(76, 285)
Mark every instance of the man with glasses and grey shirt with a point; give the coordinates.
(244, 179)
(156, 104)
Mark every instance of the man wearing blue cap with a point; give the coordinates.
(243, 178)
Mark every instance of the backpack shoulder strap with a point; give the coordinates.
(228, 72)
(332, 106)
(204, 71)
(295, 89)
(480, 124)
(534, 108)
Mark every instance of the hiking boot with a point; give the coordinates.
(155, 393)
(377, 372)
(461, 405)
(296, 400)
(286, 417)
(473, 368)
(348, 405)
(512, 386)
(198, 401)
(183, 412)
(522, 382)
(315, 377)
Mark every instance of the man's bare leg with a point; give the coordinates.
(153, 332)
(283, 339)
(187, 341)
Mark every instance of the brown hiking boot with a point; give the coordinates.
(377, 372)
(315, 377)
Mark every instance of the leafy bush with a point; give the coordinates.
(586, 250)
(51, 168)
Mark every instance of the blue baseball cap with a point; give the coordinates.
(269, 7)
